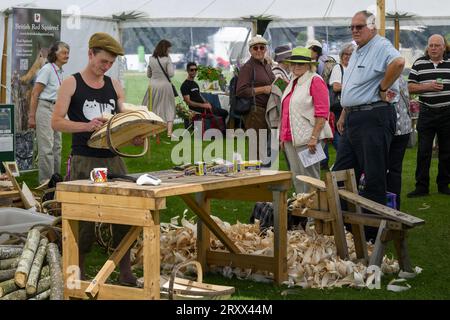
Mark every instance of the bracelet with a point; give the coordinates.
(314, 137)
(381, 90)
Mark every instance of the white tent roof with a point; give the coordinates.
(233, 9)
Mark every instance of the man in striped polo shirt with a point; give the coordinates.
(430, 79)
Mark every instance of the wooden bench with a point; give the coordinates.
(330, 218)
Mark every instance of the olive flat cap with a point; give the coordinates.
(104, 41)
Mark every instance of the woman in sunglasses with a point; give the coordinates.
(254, 81)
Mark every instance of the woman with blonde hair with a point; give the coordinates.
(305, 109)
(160, 69)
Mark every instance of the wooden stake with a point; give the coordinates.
(36, 267)
(7, 252)
(56, 277)
(27, 257)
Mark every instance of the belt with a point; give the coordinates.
(48, 100)
(365, 107)
(434, 109)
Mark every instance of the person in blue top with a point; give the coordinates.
(367, 122)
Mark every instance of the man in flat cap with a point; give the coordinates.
(85, 98)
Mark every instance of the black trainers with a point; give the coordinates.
(417, 193)
(444, 190)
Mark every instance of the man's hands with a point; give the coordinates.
(434, 86)
(341, 121)
(138, 141)
(95, 124)
(31, 121)
(207, 106)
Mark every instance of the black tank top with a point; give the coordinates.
(88, 103)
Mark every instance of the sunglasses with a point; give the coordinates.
(261, 48)
(357, 27)
(193, 69)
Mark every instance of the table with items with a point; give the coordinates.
(128, 203)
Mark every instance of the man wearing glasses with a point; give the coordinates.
(367, 122)
(191, 94)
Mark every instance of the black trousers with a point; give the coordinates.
(433, 122)
(394, 174)
(364, 146)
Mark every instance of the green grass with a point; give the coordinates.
(428, 244)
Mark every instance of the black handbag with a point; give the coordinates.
(175, 93)
(243, 105)
(335, 97)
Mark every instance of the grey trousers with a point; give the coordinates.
(49, 142)
(297, 167)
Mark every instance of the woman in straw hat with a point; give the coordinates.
(304, 112)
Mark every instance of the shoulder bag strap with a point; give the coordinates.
(342, 72)
(164, 71)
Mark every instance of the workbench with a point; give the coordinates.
(139, 206)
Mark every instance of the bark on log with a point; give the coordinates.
(7, 286)
(9, 263)
(43, 284)
(7, 274)
(54, 262)
(42, 296)
(7, 252)
(35, 270)
(45, 272)
(16, 295)
(27, 257)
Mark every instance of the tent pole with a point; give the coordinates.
(396, 32)
(381, 17)
(4, 60)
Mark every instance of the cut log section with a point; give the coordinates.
(7, 274)
(42, 296)
(9, 263)
(27, 257)
(33, 276)
(54, 262)
(7, 252)
(7, 286)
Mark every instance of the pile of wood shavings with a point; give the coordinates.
(312, 258)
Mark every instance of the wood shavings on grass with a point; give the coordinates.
(312, 259)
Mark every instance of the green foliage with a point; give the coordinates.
(209, 73)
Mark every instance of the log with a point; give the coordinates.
(27, 257)
(7, 286)
(56, 276)
(42, 296)
(7, 274)
(16, 295)
(36, 267)
(7, 252)
(45, 272)
(9, 263)
(43, 285)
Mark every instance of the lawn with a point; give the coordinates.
(428, 244)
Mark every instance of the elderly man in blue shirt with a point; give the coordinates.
(367, 122)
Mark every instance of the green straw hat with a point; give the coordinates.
(301, 55)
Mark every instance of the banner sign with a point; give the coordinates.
(33, 33)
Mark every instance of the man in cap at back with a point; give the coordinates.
(317, 54)
(255, 81)
(281, 69)
(86, 98)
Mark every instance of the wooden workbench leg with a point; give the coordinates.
(70, 256)
(336, 211)
(203, 233)
(151, 264)
(402, 252)
(380, 245)
(280, 236)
